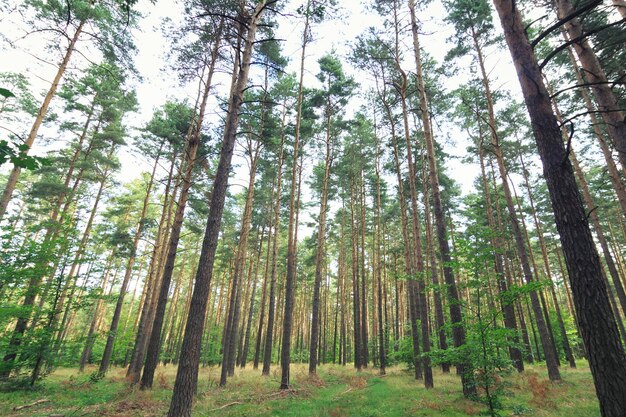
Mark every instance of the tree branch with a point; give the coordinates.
(611, 83)
(563, 21)
(577, 39)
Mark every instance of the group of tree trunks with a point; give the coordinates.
(388, 284)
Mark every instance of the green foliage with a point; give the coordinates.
(109, 22)
(11, 150)
(472, 20)
(487, 342)
(6, 93)
(95, 377)
(18, 156)
(211, 355)
(317, 10)
(23, 261)
(404, 353)
(16, 99)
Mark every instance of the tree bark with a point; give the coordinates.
(154, 343)
(356, 294)
(320, 254)
(614, 175)
(364, 318)
(232, 321)
(595, 221)
(378, 266)
(522, 251)
(91, 337)
(510, 321)
(456, 317)
(247, 335)
(142, 320)
(408, 252)
(607, 103)
(544, 253)
(290, 279)
(271, 310)
(259, 334)
(108, 349)
(187, 374)
(542, 326)
(598, 329)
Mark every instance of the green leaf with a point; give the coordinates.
(6, 93)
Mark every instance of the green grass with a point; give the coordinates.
(335, 392)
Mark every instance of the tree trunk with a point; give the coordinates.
(540, 293)
(542, 326)
(510, 321)
(614, 175)
(290, 279)
(154, 343)
(232, 321)
(356, 304)
(598, 329)
(419, 299)
(74, 270)
(257, 347)
(364, 318)
(544, 253)
(271, 310)
(434, 272)
(267, 350)
(108, 349)
(408, 252)
(595, 221)
(187, 374)
(37, 279)
(320, 254)
(247, 335)
(378, 266)
(72, 164)
(91, 336)
(522, 251)
(41, 114)
(142, 319)
(607, 103)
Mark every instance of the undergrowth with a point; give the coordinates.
(335, 391)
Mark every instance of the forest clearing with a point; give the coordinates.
(313, 207)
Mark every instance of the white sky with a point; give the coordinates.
(332, 34)
(160, 85)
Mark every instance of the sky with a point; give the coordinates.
(159, 84)
(332, 34)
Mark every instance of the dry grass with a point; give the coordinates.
(541, 390)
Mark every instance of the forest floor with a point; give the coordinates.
(337, 391)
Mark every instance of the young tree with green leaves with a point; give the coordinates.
(474, 26)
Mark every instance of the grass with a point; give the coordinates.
(335, 392)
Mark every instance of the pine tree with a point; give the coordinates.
(187, 375)
(595, 317)
(58, 17)
(334, 95)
